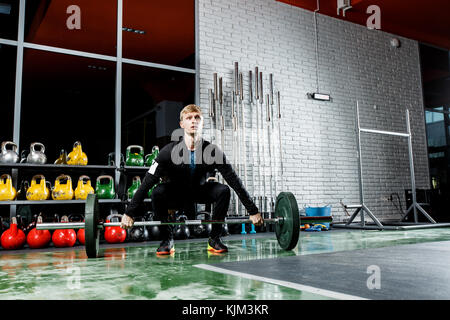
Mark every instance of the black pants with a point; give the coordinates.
(170, 196)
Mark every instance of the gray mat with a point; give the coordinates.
(406, 272)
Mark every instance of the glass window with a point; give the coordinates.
(83, 25)
(9, 19)
(151, 103)
(66, 99)
(160, 31)
(7, 88)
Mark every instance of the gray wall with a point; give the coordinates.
(319, 141)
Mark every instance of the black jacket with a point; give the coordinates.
(173, 163)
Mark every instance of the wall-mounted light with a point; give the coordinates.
(133, 30)
(319, 96)
(5, 8)
(96, 67)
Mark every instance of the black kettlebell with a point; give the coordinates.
(154, 232)
(202, 230)
(182, 232)
(225, 231)
(137, 233)
(199, 230)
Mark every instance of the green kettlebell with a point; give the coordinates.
(135, 159)
(151, 190)
(134, 186)
(105, 190)
(152, 156)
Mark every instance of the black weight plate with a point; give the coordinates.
(92, 234)
(288, 230)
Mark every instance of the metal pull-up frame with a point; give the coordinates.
(361, 208)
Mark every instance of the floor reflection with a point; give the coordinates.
(138, 273)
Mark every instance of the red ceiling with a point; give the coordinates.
(424, 21)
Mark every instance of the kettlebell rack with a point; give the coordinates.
(56, 169)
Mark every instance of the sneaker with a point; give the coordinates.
(166, 247)
(216, 245)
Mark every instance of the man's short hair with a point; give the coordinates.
(190, 108)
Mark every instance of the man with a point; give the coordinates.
(185, 164)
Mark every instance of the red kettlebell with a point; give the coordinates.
(13, 238)
(80, 236)
(80, 232)
(115, 234)
(38, 238)
(64, 237)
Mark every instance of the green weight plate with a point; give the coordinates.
(288, 230)
(91, 231)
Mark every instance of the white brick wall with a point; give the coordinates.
(319, 138)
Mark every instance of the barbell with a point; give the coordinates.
(286, 219)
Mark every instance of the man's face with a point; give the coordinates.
(192, 123)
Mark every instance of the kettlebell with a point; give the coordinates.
(135, 159)
(114, 234)
(83, 188)
(62, 191)
(152, 156)
(9, 155)
(64, 237)
(77, 156)
(149, 193)
(134, 186)
(13, 238)
(62, 157)
(37, 156)
(38, 238)
(154, 232)
(203, 230)
(182, 232)
(7, 191)
(38, 191)
(105, 190)
(138, 233)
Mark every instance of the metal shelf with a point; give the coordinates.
(32, 202)
(31, 166)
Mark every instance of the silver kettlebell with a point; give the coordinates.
(37, 156)
(9, 155)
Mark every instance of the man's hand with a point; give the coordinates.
(126, 222)
(257, 219)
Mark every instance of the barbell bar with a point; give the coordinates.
(286, 220)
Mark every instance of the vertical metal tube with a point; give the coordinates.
(261, 87)
(358, 142)
(256, 83)
(211, 113)
(250, 83)
(279, 139)
(261, 100)
(270, 152)
(236, 78)
(271, 88)
(411, 166)
(216, 93)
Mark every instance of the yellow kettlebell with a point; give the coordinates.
(62, 191)
(38, 191)
(83, 188)
(7, 191)
(77, 156)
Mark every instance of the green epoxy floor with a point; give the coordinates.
(135, 272)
